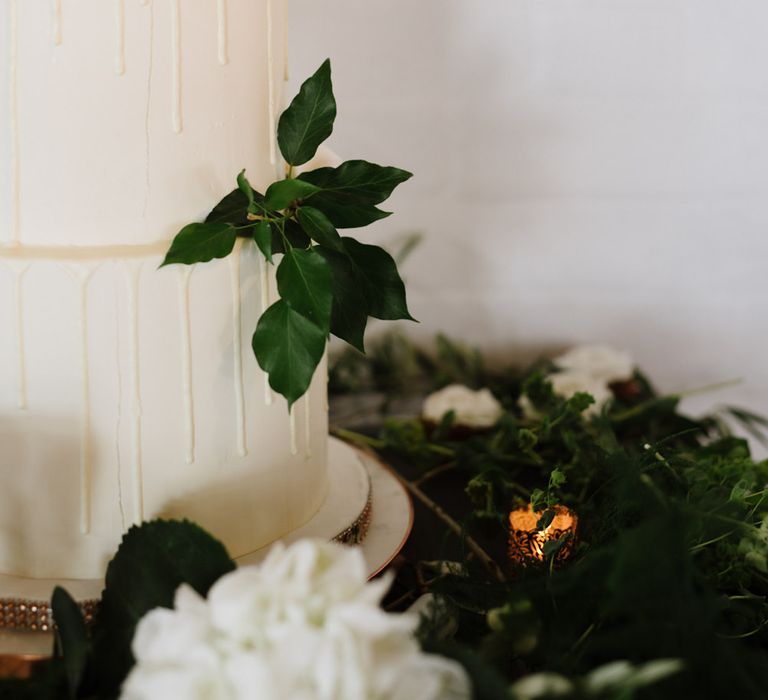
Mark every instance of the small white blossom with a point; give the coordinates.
(600, 361)
(473, 409)
(566, 384)
(304, 625)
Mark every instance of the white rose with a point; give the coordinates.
(566, 384)
(473, 409)
(304, 625)
(600, 361)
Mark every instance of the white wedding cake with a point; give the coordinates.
(129, 392)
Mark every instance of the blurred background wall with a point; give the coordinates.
(585, 170)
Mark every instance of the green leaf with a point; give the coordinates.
(304, 281)
(349, 315)
(357, 181)
(317, 226)
(245, 187)
(546, 519)
(233, 209)
(262, 234)
(556, 478)
(382, 285)
(153, 560)
(283, 193)
(71, 637)
(350, 192)
(308, 121)
(201, 243)
(288, 346)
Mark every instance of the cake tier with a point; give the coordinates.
(121, 120)
(129, 392)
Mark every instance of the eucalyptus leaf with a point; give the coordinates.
(349, 315)
(318, 227)
(283, 193)
(200, 243)
(262, 235)
(71, 636)
(381, 281)
(288, 347)
(308, 121)
(304, 282)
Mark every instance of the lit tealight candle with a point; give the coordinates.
(527, 542)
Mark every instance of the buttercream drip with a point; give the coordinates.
(133, 271)
(186, 364)
(13, 117)
(119, 37)
(237, 346)
(221, 19)
(264, 277)
(176, 53)
(21, 356)
(293, 431)
(307, 427)
(271, 121)
(82, 275)
(56, 33)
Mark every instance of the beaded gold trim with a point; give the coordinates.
(35, 615)
(356, 532)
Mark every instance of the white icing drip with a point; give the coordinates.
(271, 121)
(82, 275)
(56, 32)
(286, 75)
(264, 276)
(119, 37)
(119, 406)
(137, 478)
(221, 18)
(176, 52)
(237, 345)
(21, 357)
(186, 364)
(307, 427)
(13, 105)
(147, 111)
(294, 443)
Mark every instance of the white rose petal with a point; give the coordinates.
(568, 383)
(600, 361)
(473, 409)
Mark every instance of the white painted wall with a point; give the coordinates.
(585, 169)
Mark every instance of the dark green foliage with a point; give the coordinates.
(335, 284)
(671, 556)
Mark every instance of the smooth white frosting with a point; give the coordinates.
(127, 391)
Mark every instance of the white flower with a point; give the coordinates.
(304, 625)
(600, 361)
(568, 383)
(473, 409)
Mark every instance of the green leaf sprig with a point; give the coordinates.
(327, 283)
